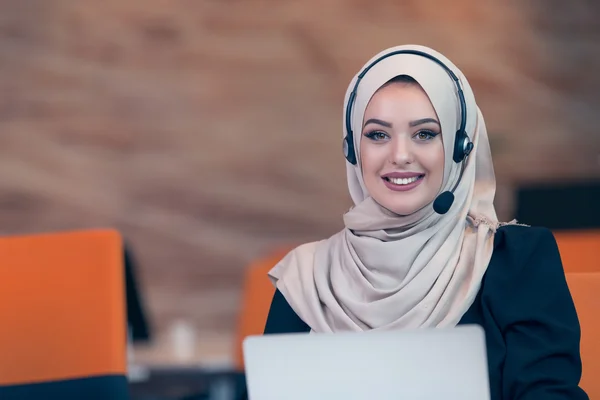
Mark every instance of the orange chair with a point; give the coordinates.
(62, 316)
(256, 300)
(585, 289)
(579, 250)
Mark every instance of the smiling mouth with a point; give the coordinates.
(404, 181)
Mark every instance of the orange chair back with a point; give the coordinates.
(257, 294)
(62, 307)
(585, 289)
(579, 250)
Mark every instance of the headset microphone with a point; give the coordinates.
(444, 201)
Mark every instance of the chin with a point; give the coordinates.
(403, 209)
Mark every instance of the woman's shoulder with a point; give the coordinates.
(524, 257)
(523, 238)
(518, 244)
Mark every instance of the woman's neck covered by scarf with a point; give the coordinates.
(386, 271)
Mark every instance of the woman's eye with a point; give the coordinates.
(376, 135)
(426, 135)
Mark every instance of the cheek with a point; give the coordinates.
(436, 163)
(432, 159)
(365, 158)
(439, 162)
(372, 160)
(370, 166)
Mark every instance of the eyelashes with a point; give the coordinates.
(422, 135)
(376, 135)
(426, 135)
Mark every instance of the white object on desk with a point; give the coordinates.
(425, 364)
(183, 340)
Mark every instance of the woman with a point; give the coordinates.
(422, 246)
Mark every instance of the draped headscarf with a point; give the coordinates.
(387, 271)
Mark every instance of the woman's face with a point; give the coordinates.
(401, 148)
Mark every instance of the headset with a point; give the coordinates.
(462, 144)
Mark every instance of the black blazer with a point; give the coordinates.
(526, 309)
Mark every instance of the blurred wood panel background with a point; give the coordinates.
(209, 131)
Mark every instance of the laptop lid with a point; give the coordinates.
(423, 364)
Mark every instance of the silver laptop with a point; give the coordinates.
(425, 364)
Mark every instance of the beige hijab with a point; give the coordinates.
(386, 271)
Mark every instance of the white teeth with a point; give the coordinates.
(403, 181)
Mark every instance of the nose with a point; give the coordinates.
(401, 150)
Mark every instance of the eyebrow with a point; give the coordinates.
(423, 121)
(378, 122)
(411, 123)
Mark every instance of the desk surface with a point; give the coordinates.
(170, 383)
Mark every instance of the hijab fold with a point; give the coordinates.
(386, 271)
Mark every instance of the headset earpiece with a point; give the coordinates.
(349, 151)
(462, 146)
